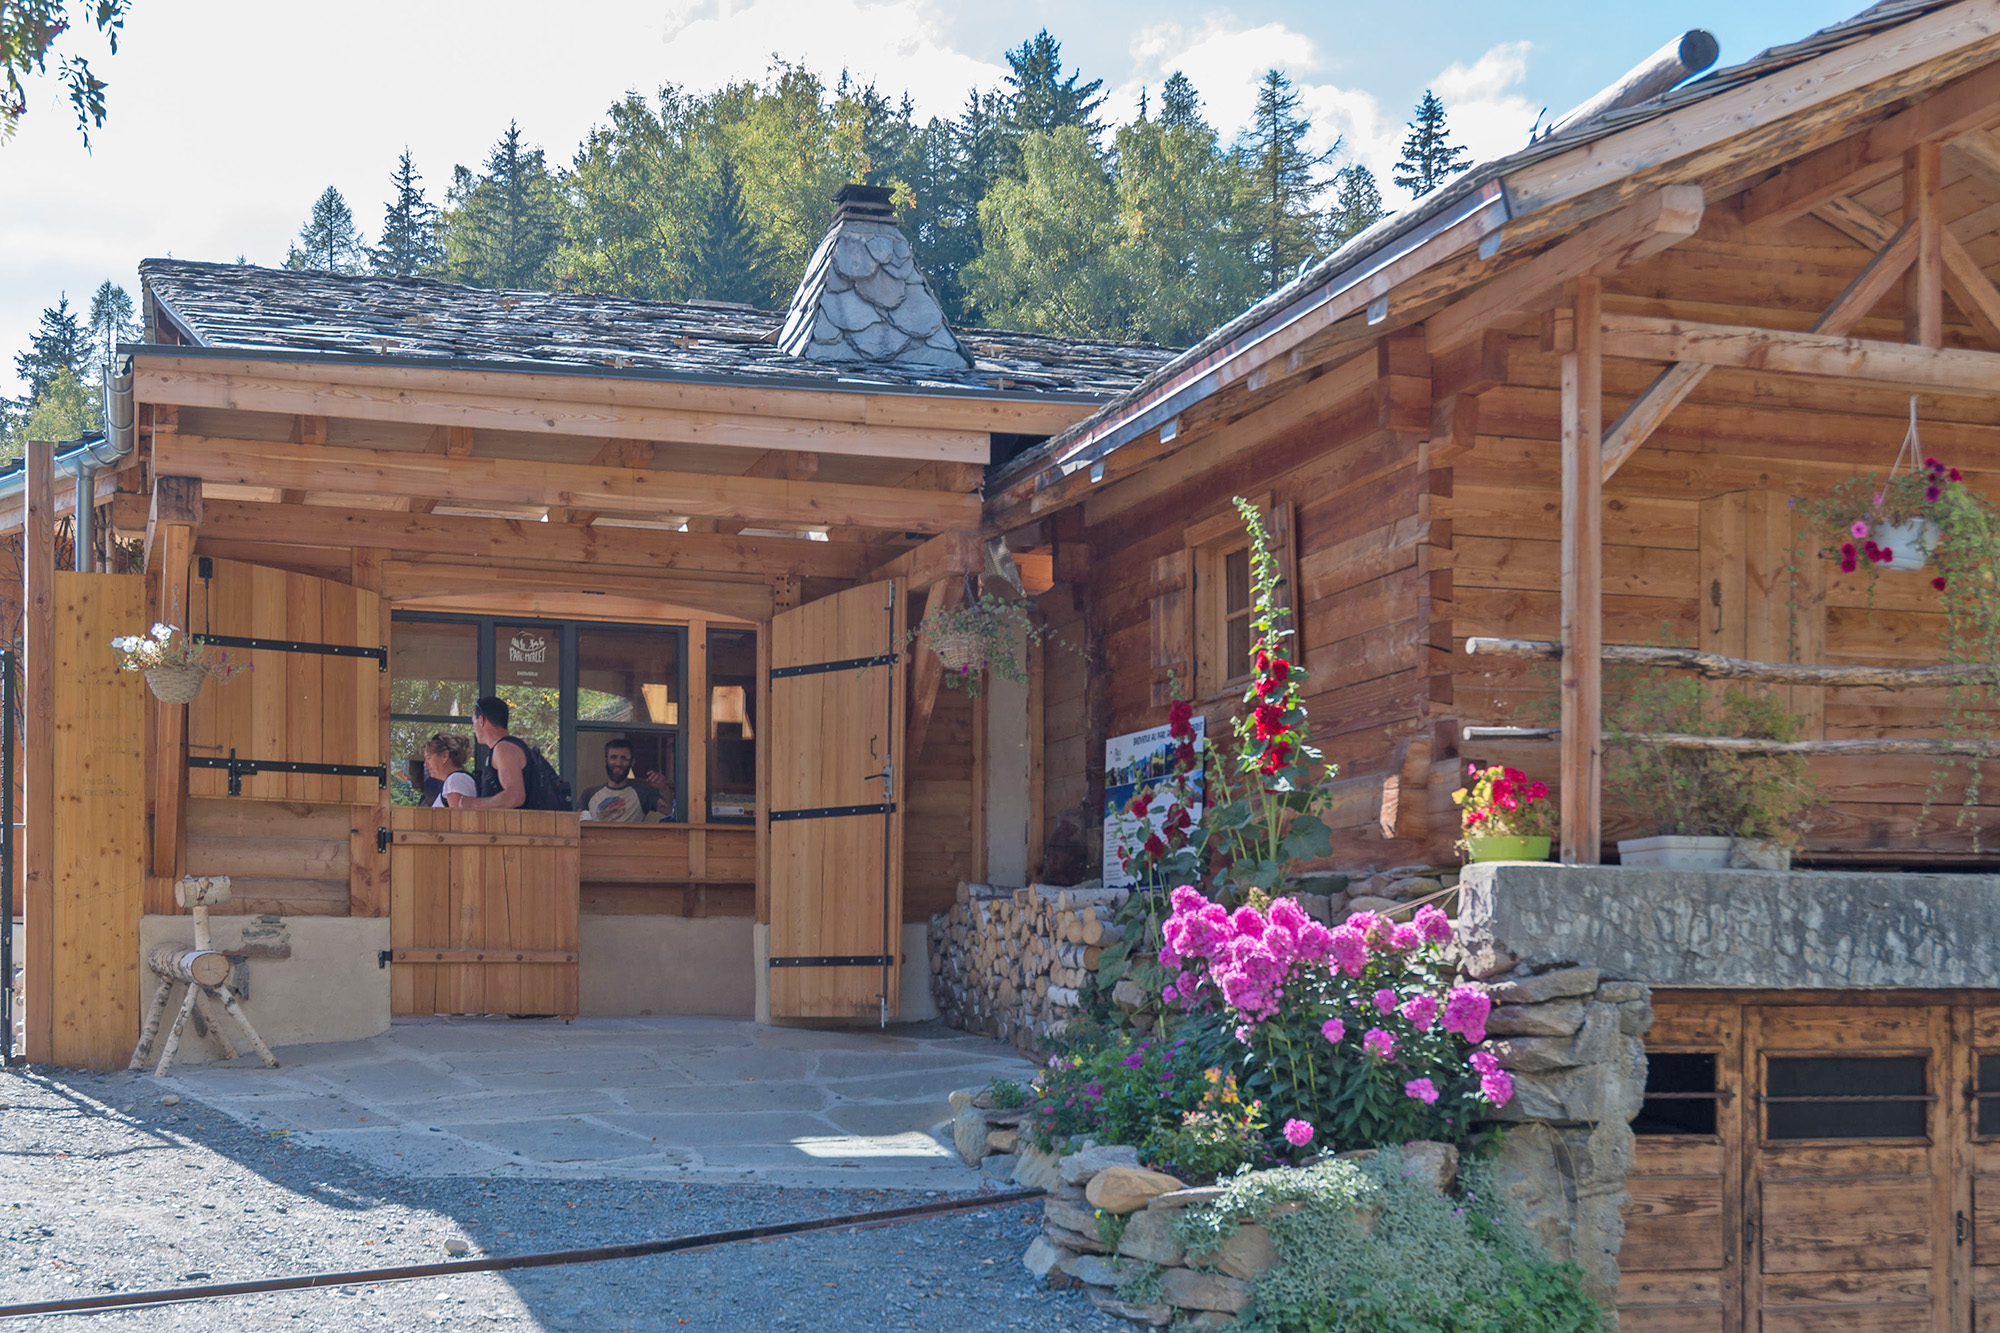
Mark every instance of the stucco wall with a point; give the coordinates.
(666, 965)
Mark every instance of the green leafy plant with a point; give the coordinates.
(979, 635)
(1501, 802)
(1113, 1085)
(1216, 1138)
(171, 647)
(1007, 1094)
(1703, 793)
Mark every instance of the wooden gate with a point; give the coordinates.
(1805, 1167)
(836, 824)
(483, 911)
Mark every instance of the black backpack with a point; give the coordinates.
(545, 789)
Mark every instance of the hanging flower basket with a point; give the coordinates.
(979, 635)
(961, 651)
(177, 684)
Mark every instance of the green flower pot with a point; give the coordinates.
(1507, 849)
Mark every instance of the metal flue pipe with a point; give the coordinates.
(1678, 61)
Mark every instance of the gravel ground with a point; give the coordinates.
(105, 1190)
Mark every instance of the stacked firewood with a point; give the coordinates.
(1015, 963)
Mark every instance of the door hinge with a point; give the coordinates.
(384, 957)
(381, 839)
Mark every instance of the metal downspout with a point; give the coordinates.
(85, 458)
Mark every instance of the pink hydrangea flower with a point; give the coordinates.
(1248, 921)
(1385, 1001)
(1422, 1089)
(1497, 1087)
(1421, 1011)
(1379, 1044)
(1333, 1029)
(1433, 924)
(1298, 1133)
(1465, 1011)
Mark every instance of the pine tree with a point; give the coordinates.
(111, 321)
(503, 226)
(1047, 264)
(60, 342)
(1043, 98)
(1357, 205)
(731, 263)
(410, 242)
(1278, 225)
(1180, 105)
(1429, 156)
(329, 241)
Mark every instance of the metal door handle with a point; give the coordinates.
(888, 776)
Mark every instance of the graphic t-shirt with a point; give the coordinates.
(633, 803)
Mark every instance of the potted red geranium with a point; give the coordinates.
(1505, 817)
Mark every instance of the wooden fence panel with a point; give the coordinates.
(483, 911)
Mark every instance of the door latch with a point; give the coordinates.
(888, 776)
(1961, 1226)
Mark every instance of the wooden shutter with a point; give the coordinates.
(836, 834)
(300, 706)
(1173, 626)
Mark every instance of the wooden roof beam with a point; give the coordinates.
(946, 554)
(1654, 223)
(472, 481)
(1898, 366)
(1875, 154)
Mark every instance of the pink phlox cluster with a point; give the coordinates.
(1496, 1085)
(1404, 938)
(1249, 956)
(1378, 1043)
(1333, 1029)
(1385, 1002)
(1421, 1011)
(1298, 1133)
(1422, 1089)
(1433, 924)
(1349, 949)
(1465, 1011)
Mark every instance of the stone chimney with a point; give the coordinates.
(864, 299)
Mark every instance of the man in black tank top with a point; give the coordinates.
(503, 782)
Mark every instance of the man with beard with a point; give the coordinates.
(621, 800)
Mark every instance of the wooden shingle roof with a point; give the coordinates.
(285, 311)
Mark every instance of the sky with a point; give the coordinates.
(229, 117)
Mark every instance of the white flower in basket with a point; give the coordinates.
(176, 666)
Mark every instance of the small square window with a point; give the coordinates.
(1845, 1097)
(1681, 1095)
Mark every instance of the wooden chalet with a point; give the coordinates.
(702, 530)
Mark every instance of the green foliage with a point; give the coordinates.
(329, 241)
(1374, 1249)
(1007, 1094)
(1111, 1228)
(410, 243)
(1703, 793)
(1044, 98)
(65, 410)
(1221, 1135)
(1429, 156)
(501, 227)
(60, 342)
(1113, 1087)
(1144, 1287)
(1174, 252)
(111, 321)
(1357, 205)
(28, 33)
(1049, 235)
(1278, 222)
(996, 623)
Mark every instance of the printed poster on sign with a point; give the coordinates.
(1142, 762)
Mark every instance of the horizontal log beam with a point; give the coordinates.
(414, 581)
(620, 550)
(1674, 740)
(1715, 666)
(945, 554)
(745, 416)
(1891, 365)
(803, 504)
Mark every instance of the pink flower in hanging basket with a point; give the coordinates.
(1859, 530)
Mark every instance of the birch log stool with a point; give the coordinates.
(205, 972)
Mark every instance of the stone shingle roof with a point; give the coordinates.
(279, 310)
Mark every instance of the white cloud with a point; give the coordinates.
(1485, 116)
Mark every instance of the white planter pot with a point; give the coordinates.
(1912, 542)
(1748, 854)
(1676, 851)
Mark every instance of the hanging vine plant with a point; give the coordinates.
(1925, 516)
(980, 635)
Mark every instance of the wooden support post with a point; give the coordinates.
(38, 750)
(929, 673)
(172, 521)
(1582, 577)
(697, 727)
(1923, 205)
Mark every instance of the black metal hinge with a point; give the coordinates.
(834, 811)
(381, 839)
(238, 769)
(845, 664)
(381, 655)
(383, 957)
(836, 960)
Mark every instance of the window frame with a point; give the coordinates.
(1210, 543)
(569, 729)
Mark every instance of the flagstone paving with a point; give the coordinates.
(691, 1099)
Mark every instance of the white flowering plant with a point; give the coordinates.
(171, 647)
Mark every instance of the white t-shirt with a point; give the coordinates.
(460, 782)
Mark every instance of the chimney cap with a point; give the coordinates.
(864, 203)
(856, 192)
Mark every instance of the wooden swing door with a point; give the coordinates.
(836, 803)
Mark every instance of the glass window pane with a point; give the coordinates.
(732, 725)
(1677, 1072)
(1239, 648)
(1989, 1107)
(1869, 1080)
(433, 668)
(625, 675)
(527, 673)
(1236, 580)
(628, 779)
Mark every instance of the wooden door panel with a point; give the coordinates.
(1846, 1225)
(836, 878)
(483, 911)
(1855, 1029)
(1672, 1223)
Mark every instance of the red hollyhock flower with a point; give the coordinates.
(1956, 475)
(1154, 847)
(1280, 668)
(1266, 687)
(1263, 660)
(1140, 804)
(1184, 755)
(1270, 721)
(1179, 715)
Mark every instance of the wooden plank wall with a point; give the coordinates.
(100, 821)
(286, 858)
(937, 826)
(668, 870)
(466, 882)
